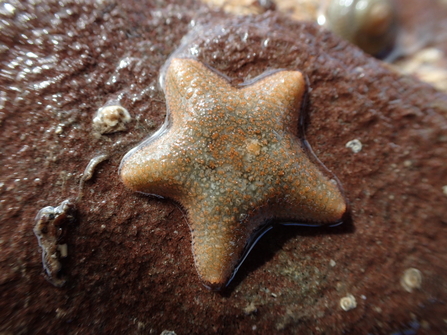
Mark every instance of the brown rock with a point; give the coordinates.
(129, 267)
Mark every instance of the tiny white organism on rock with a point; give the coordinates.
(347, 303)
(110, 119)
(411, 279)
(63, 250)
(355, 145)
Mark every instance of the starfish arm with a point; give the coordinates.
(279, 96)
(311, 197)
(157, 165)
(193, 87)
(152, 168)
(296, 190)
(218, 240)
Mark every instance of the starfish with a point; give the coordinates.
(232, 158)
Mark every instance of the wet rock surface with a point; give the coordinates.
(129, 267)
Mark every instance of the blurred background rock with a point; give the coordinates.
(410, 35)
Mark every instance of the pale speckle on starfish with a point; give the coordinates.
(232, 158)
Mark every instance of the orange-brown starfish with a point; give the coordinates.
(232, 158)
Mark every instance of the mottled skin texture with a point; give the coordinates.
(232, 158)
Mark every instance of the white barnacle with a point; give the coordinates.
(355, 145)
(347, 303)
(110, 119)
(411, 279)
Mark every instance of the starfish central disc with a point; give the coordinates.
(232, 158)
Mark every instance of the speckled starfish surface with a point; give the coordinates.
(232, 158)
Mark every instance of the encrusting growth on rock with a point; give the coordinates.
(111, 119)
(232, 158)
(49, 224)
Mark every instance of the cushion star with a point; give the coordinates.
(232, 158)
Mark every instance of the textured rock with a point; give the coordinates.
(129, 268)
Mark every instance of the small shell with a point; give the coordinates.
(347, 303)
(369, 24)
(411, 279)
(355, 145)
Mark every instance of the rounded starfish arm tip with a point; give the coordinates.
(183, 71)
(213, 271)
(214, 284)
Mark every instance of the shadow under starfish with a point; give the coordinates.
(270, 239)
